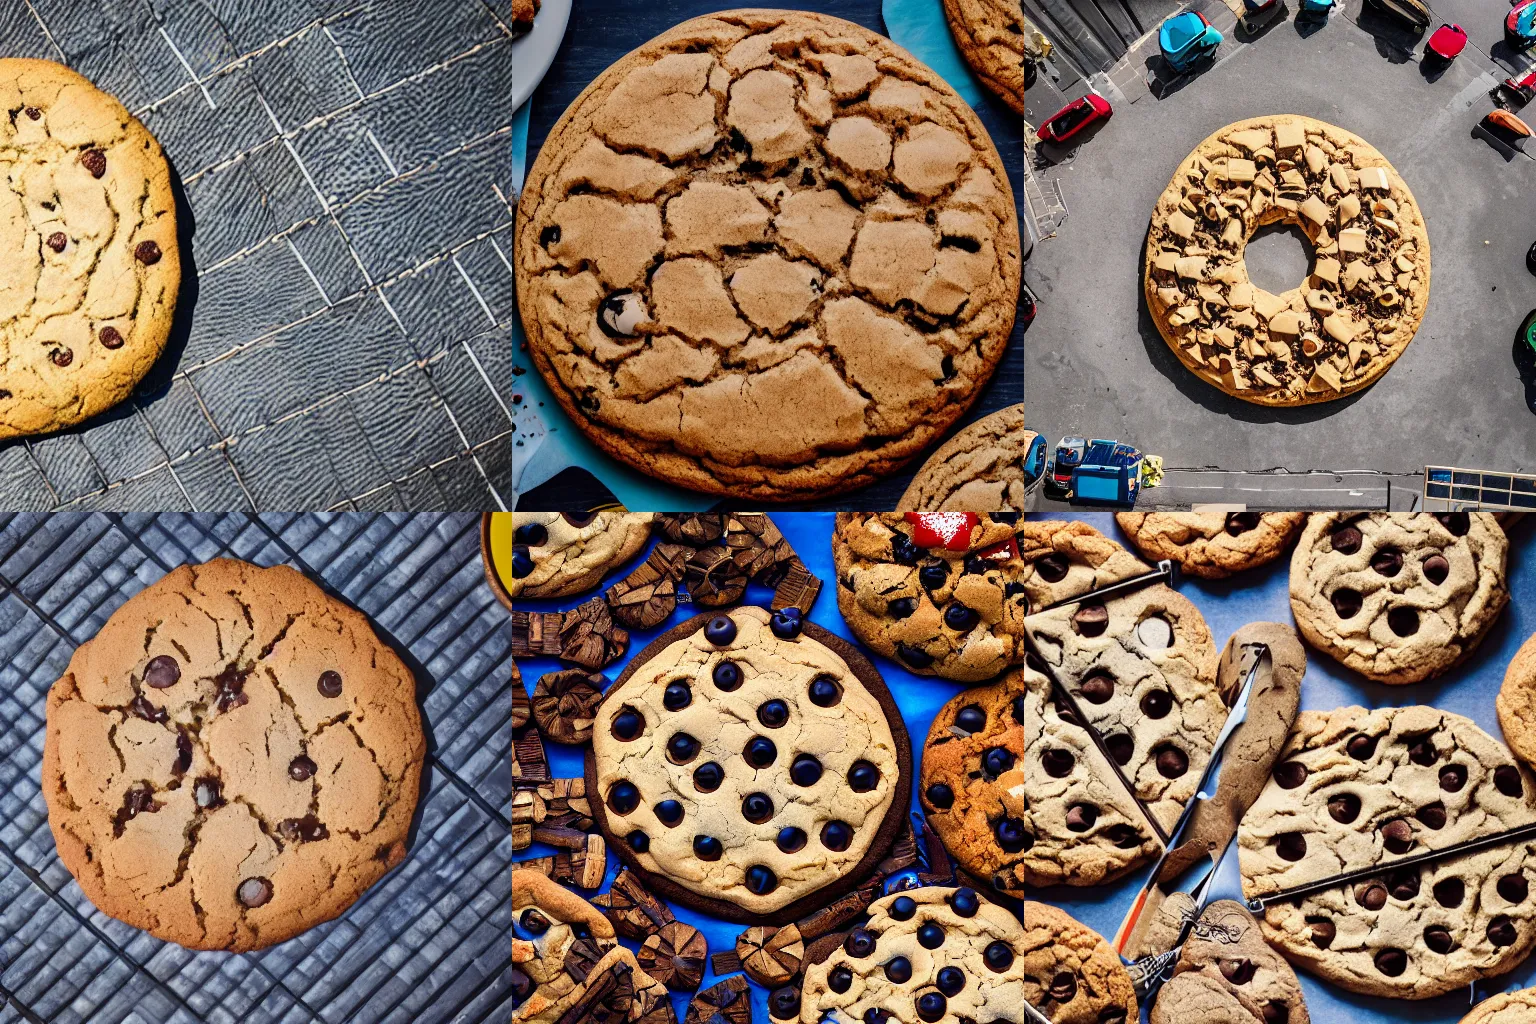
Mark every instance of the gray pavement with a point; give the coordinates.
(1096, 363)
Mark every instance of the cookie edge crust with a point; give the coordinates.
(71, 850)
(156, 330)
(1417, 231)
(895, 815)
(977, 58)
(1207, 570)
(922, 488)
(809, 480)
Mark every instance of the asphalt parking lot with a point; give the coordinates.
(1096, 364)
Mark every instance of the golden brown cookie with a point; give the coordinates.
(1398, 597)
(1338, 330)
(990, 33)
(1072, 976)
(89, 265)
(557, 554)
(767, 254)
(1517, 702)
(980, 469)
(1212, 544)
(1517, 1007)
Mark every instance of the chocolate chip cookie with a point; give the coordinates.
(557, 554)
(87, 246)
(1142, 668)
(523, 13)
(1517, 1007)
(940, 592)
(233, 759)
(1228, 974)
(980, 469)
(1071, 974)
(1517, 702)
(928, 954)
(990, 33)
(1356, 788)
(767, 254)
(568, 966)
(1398, 597)
(1212, 544)
(973, 782)
(1064, 559)
(750, 765)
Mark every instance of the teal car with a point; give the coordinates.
(1186, 39)
(1528, 333)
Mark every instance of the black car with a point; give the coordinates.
(1530, 259)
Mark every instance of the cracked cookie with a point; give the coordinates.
(88, 235)
(232, 759)
(990, 33)
(1355, 788)
(749, 765)
(1517, 702)
(928, 954)
(1142, 668)
(1338, 330)
(1228, 974)
(1517, 1007)
(568, 966)
(973, 782)
(1398, 597)
(767, 254)
(557, 554)
(1071, 974)
(980, 469)
(1212, 545)
(523, 13)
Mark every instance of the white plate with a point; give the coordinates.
(532, 54)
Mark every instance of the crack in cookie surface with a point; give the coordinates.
(558, 554)
(91, 270)
(980, 469)
(768, 253)
(232, 759)
(991, 35)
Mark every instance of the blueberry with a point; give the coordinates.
(1011, 835)
(903, 907)
(757, 807)
(859, 943)
(773, 714)
(931, 1006)
(875, 1015)
(951, 981)
(677, 696)
(623, 798)
(997, 761)
(825, 692)
(791, 839)
(914, 656)
(627, 723)
(760, 752)
(998, 955)
(530, 535)
(534, 922)
(727, 676)
(903, 550)
(784, 1003)
(899, 970)
(707, 777)
(839, 979)
(965, 902)
(522, 565)
(669, 812)
(971, 718)
(933, 576)
(836, 835)
(761, 880)
(638, 841)
(901, 607)
(863, 776)
(806, 770)
(785, 623)
(940, 796)
(720, 630)
(682, 748)
(930, 936)
(706, 847)
(960, 618)
(975, 565)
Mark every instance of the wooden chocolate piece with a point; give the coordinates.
(589, 637)
(644, 598)
(714, 579)
(770, 956)
(675, 956)
(729, 1001)
(563, 703)
(635, 913)
(695, 528)
(520, 710)
(529, 765)
(536, 634)
(583, 868)
(797, 589)
(605, 999)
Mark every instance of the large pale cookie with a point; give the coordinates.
(1518, 1007)
(990, 33)
(1228, 974)
(980, 469)
(1212, 544)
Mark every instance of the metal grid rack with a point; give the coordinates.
(346, 295)
(1450, 487)
(430, 942)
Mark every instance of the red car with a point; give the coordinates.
(1519, 90)
(1448, 42)
(1074, 117)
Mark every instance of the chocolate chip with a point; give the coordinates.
(930, 935)
(1323, 931)
(1361, 747)
(1058, 763)
(1432, 815)
(784, 1003)
(960, 618)
(677, 695)
(1120, 747)
(1346, 540)
(62, 356)
(998, 956)
(836, 835)
(1172, 762)
(824, 692)
(773, 714)
(1391, 962)
(638, 841)
(330, 684)
(1012, 837)
(1346, 602)
(142, 708)
(997, 761)
(95, 161)
(727, 676)
(901, 607)
(147, 253)
(1097, 688)
(1242, 522)
(1064, 987)
(550, 235)
(964, 901)
(1291, 774)
(707, 777)
(971, 718)
(1157, 704)
(1507, 780)
(1438, 939)
(720, 630)
(915, 657)
(786, 623)
(1422, 751)
(1387, 562)
(206, 792)
(307, 829)
(1403, 885)
(669, 812)
(1344, 807)
(1052, 568)
(1436, 569)
(933, 575)
(859, 944)
(301, 769)
(1372, 896)
(863, 776)
(839, 979)
(903, 908)
(1090, 619)
(1291, 846)
(1501, 931)
(1276, 1013)
(1397, 834)
(110, 338)
(682, 748)
(899, 969)
(707, 848)
(34, 113)
(790, 839)
(1403, 621)
(1449, 892)
(623, 797)
(183, 753)
(58, 241)
(139, 799)
(931, 1006)
(1458, 523)
(757, 807)
(1514, 888)
(254, 892)
(759, 752)
(1080, 817)
(627, 724)
(1239, 971)
(903, 550)
(1453, 777)
(940, 796)
(1123, 836)
(161, 672)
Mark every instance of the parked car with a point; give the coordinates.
(1528, 332)
(1186, 39)
(1413, 13)
(1074, 117)
(1058, 472)
(1314, 8)
(1110, 474)
(1530, 259)
(1506, 127)
(1516, 91)
(1034, 471)
(1028, 307)
(1520, 26)
(1447, 43)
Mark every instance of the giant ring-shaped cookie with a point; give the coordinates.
(1358, 308)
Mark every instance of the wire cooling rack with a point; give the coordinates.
(343, 337)
(430, 943)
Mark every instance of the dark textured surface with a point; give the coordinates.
(430, 942)
(342, 337)
(602, 31)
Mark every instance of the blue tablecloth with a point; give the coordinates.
(1262, 595)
